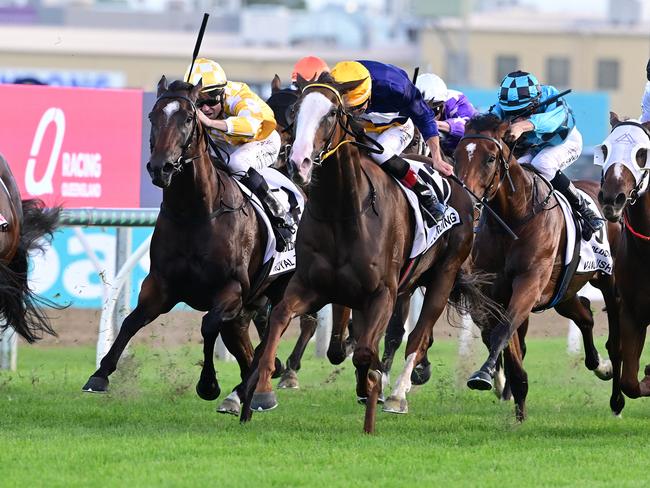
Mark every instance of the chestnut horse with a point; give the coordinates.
(624, 196)
(352, 248)
(207, 246)
(24, 223)
(528, 269)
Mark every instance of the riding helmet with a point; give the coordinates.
(518, 90)
(210, 72)
(310, 68)
(346, 71)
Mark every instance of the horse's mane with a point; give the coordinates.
(484, 122)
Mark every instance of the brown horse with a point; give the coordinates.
(24, 224)
(352, 249)
(207, 246)
(528, 269)
(624, 196)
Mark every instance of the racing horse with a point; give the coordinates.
(353, 248)
(624, 196)
(207, 246)
(23, 225)
(528, 270)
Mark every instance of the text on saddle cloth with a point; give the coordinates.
(426, 236)
(595, 255)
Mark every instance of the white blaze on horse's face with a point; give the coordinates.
(313, 108)
(171, 108)
(470, 148)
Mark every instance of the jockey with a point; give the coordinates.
(388, 104)
(310, 68)
(645, 102)
(548, 135)
(242, 126)
(451, 108)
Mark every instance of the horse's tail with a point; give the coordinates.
(467, 296)
(19, 305)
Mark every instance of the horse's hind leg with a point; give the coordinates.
(419, 340)
(152, 302)
(289, 379)
(578, 309)
(394, 333)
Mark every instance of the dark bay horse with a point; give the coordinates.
(624, 196)
(352, 248)
(24, 224)
(528, 269)
(207, 246)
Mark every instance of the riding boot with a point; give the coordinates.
(591, 222)
(433, 209)
(283, 223)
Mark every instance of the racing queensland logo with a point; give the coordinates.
(78, 169)
(77, 147)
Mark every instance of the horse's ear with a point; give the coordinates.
(276, 84)
(301, 82)
(502, 128)
(162, 86)
(196, 90)
(614, 119)
(348, 85)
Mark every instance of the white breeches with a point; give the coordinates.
(552, 159)
(254, 154)
(393, 140)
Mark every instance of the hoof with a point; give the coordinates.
(421, 374)
(289, 380)
(95, 384)
(396, 405)
(264, 401)
(229, 406)
(604, 371)
(364, 400)
(480, 381)
(208, 391)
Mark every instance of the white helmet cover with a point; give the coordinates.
(432, 87)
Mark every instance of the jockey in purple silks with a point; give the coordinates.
(452, 109)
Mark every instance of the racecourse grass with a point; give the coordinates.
(152, 429)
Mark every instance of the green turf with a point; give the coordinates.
(152, 429)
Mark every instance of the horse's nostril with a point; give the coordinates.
(620, 199)
(600, 197)
(149, 167)
(167, 168)
(306, 162)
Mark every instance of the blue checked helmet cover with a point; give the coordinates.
(518, 90)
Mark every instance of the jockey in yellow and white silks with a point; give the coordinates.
(242, 125)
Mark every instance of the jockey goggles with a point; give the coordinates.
(211, 101)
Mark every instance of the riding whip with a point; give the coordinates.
(535, 105)
(416, 72)
(197, 46)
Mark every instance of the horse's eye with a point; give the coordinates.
(491, 159)
(604, 149)
(332, 113)
(188, 120)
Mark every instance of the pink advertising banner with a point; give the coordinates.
(75, 147)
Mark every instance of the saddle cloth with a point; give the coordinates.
(595, 255)
(293, 201)
(426, 236)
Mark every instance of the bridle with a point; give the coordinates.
(503, 164)
(343, 120)
(182, 161)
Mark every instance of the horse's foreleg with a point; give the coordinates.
(420, 339)
(297, 301)
(395, 332)
(152, 302)
(517, 377)
(340, 347)
(526, 292)
(372, 322)
(617, 400)
(289, 379)
(227, 306)
(632, 341)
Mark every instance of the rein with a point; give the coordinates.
(629, 227)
